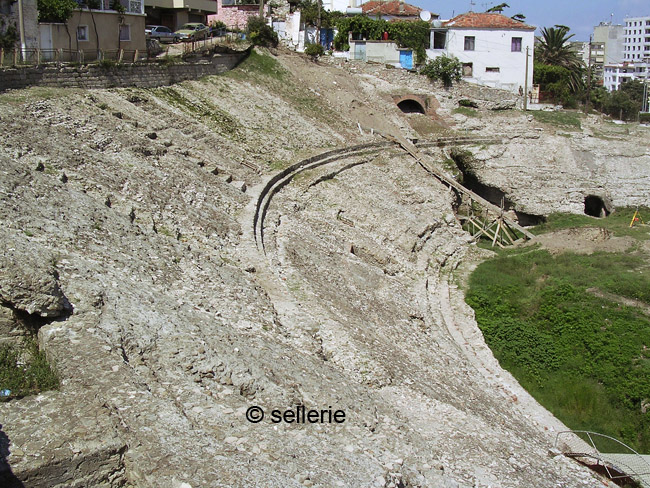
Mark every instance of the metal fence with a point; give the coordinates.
(37, 57)
(605, 455)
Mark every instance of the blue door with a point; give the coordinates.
(406, 59)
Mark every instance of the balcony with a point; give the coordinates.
(209, 6)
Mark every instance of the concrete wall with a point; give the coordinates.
(140, 75)
(492, 49)
(107, 32)
(385, 52)
(612, 37)
(9, 17)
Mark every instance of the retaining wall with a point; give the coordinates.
(143, 75)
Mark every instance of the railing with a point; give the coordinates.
(606, 455)
(37, 57)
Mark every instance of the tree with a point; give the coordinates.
(498, 8)
(554, 49)
(58, 11)
(519, 17)
(444, 68)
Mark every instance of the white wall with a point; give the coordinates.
(338, 5)
(492, 49)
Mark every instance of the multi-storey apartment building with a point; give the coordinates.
(636, 54)
(636, 40)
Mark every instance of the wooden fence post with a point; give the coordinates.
(38, 57)
(15, 57)
(2, 56)
(135, 56)
(120, 54)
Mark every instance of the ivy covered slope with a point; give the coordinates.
(575, 331)
(409, 34)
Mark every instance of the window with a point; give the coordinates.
(492, 70)
(82, 33)
(515, 47)
(468, 69)
(469, 43)
(125, 32)
(439, 39)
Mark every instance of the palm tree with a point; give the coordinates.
(554, 49)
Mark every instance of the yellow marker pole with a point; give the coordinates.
(633, 218)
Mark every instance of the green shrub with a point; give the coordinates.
(444, 68)
(314, 50)
(644, 118)
(9, 37)
(260, 34)
(467, 103)
(107, 63)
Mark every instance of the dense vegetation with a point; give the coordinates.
(558, 323)
(407, 34)
(260, 33)
(56, 10)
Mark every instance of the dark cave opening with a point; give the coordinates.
(595, 206)
(492, 194)
(410, 106)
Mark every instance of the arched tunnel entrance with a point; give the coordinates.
(410, 106)
(596, 206)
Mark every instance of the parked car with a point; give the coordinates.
(193, 32)
(161, 33)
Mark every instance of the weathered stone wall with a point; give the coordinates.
(94, 76)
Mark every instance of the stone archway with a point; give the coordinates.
(412, 103)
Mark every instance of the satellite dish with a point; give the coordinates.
(425, 15)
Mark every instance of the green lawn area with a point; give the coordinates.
(618, 223)
(585, 358)
(564, 119)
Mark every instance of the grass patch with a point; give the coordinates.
(257, 64)
(202, 110)
(25, 371)
(469, 112)
(263, 69)
(583, 357)
(618, 223)
(564, 119)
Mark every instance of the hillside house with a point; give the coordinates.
(100, 28)
(491, 47)
(392, 10)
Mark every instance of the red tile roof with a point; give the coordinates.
(394, 7)
(473, 20)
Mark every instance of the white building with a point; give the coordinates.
(491, 47)
(636, 40)
(635, 62)
(617, 74)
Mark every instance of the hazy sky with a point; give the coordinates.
(580, 15)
